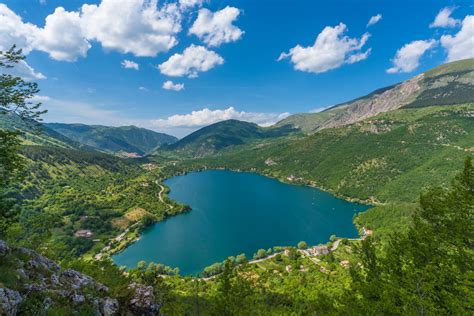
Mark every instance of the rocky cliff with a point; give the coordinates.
(448, 84)
(31, 284)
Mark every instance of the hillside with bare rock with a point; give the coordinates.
(451, 83)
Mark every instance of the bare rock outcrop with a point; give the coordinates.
(29, 276)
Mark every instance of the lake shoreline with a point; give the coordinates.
(305, 183)
(279, 179)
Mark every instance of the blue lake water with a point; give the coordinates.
(233, 213)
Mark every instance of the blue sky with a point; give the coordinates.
(247, 59)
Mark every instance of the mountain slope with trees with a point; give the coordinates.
(216, 137)
(379, 159)
(127, 139)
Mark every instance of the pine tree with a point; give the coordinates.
(429, 270)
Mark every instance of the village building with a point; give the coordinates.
(269, 162)
(319, 250)
(149, 166)
(344, 264)
(83, 233)
(366, 232)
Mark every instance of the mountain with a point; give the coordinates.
(383, 158)
(451, 83)
(125, 140)
(34, 133)
(216, 137)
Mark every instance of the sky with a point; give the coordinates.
(175, 66)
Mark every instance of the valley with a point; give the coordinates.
(93, 198)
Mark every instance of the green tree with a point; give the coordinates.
(233, 292)
(16, 94)
(302, 245)
(15, 99)
(241, 259)
(261, 253)
(292, 253)
(428, 270)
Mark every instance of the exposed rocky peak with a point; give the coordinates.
(388, 100)
(448, 84)
(30, 282)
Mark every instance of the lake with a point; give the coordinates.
(238, 212)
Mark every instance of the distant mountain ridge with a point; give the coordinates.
(451, 83)
(34, 133)
(124, 139)
(218, 136)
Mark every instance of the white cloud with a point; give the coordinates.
(461, 45)
(186, 4)
(40, 98)
(128, 64)
(142, 89)
(444, 19)
(128, 26)
(374, 19)
(217, 28)
(132, 26)
(331, 50)
(193, 60)
(170, 85)
(206, 116)
(62, 36)
(25, 71)
(354, 58)
(14, 31)
(408, 57)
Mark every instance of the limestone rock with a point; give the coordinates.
(143, 301)
(9, 301)
(110, 307)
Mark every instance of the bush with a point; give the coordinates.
(302, 245)
(241, 259)
(261, 253)
(213, 269)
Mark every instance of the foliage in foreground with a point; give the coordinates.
(428, 270)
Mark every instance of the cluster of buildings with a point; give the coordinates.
(269, 162)
(86, 233)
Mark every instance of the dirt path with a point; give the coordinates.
(160, 196)
(263, 259)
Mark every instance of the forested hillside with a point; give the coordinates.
(125, 139)
(379, 159)
(214, 138)
(64, 191)
(33, 133)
